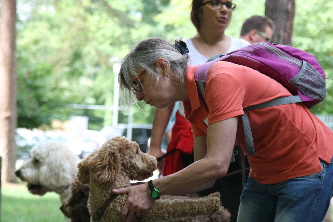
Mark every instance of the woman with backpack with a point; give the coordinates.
(211, 20)
(291, 176)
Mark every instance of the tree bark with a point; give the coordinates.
(8, 89)
(282, 13)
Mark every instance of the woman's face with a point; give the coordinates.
(154, 93)
(213, 17)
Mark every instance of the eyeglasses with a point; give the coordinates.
(136, 84)
(216, 4)
(264, 36)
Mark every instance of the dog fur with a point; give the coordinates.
(75, 208)
(52, 168)
(113, 166)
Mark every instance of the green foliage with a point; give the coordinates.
(313, 34)
(66, 50)
(39, 96)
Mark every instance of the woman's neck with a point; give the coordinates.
(211, 34)
(211, 43)
(210, 38)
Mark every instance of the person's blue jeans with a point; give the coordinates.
(303, 199)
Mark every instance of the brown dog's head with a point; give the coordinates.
(76, 207)
(136, 164)
(116, 154)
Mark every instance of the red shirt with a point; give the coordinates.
(289, 140)
(182, 140)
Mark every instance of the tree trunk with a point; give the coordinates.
(8, 89)
(282, 13)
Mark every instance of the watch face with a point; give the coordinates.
(154, 194)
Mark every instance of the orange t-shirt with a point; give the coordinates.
(289, 140)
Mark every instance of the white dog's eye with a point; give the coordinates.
(35, 161)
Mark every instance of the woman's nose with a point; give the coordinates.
(139, 95)
(224, 8)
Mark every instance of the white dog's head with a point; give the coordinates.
(52, 167)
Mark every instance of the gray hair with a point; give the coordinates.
(143, 57)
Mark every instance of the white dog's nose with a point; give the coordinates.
(18, 173)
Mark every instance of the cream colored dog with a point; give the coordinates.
(52, 168)
(113, 166)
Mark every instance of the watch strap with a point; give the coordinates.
(154, 193)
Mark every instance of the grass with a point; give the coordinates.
(18, 205)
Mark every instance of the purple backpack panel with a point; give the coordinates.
(295, 69)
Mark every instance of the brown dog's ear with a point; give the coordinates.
(107, 165)
(83, 172)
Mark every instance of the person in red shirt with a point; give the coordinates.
(291, 175)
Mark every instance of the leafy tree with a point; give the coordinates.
(65, 50)
(312, 34)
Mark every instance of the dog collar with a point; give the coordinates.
(154, 193)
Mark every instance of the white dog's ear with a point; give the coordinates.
(83, 173)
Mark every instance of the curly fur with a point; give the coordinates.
(52, 168)
(75, 208)
(222, 215)
(113, 166)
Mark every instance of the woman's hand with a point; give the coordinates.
(138, 201)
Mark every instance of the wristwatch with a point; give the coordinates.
(154, 193)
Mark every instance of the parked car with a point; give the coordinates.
(140, 133)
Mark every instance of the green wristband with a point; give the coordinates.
(154, 193)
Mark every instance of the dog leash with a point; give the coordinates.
(167, 154)
(100, 211)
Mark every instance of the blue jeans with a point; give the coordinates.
(303, 199)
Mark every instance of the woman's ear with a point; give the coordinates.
(163, 65)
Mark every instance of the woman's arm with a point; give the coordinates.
(160, 122)
(220, 142)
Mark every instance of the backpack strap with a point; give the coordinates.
(275, 102)
(246, 121)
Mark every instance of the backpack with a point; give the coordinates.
(296, 70)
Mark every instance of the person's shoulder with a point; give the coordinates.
(239, 40)
(189, 41)
(237, 43)
(195, 56)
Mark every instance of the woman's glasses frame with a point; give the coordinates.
(217, 4)
(136, 84)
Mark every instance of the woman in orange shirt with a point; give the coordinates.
(291, 176)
